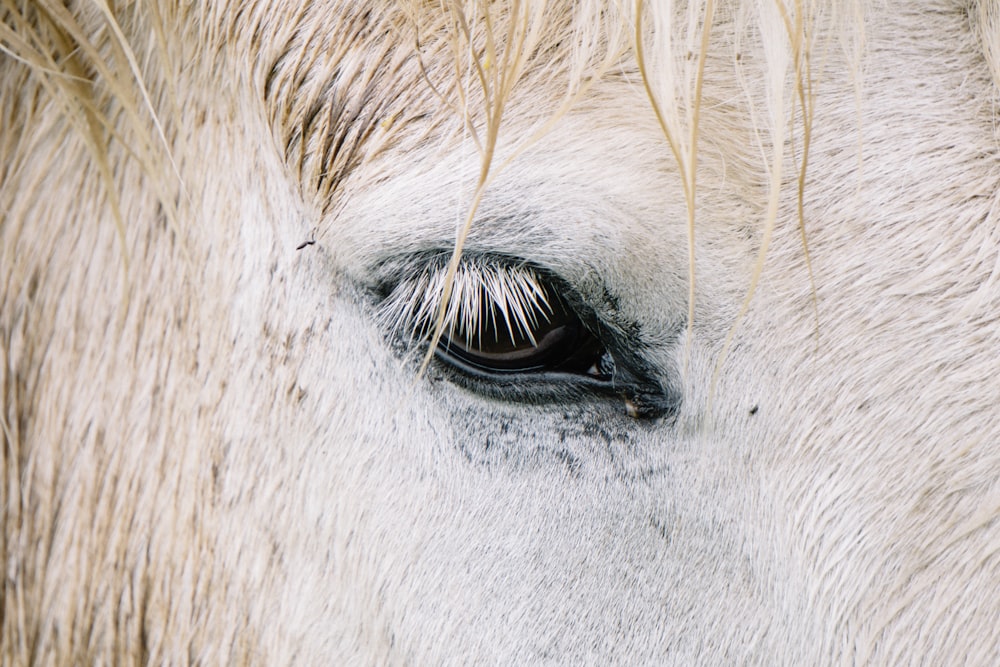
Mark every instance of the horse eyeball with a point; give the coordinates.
(543, 336)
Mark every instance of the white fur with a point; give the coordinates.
(216, 450)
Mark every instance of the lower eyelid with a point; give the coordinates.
(532, 386)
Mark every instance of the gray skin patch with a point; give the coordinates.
(586, 439)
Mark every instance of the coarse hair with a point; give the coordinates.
(474, 61)
(340, 85)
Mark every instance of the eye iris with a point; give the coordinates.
(551, 341)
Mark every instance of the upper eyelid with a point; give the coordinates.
(594, 302)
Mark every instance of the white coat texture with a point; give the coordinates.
(781, 219)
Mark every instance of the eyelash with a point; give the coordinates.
(515, 292)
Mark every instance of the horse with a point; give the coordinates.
(500, 331)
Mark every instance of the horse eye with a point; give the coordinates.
(501, 320)
(542, 336)
(511, 331)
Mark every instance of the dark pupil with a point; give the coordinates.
(562, 343)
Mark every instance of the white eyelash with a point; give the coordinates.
(515, 294)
